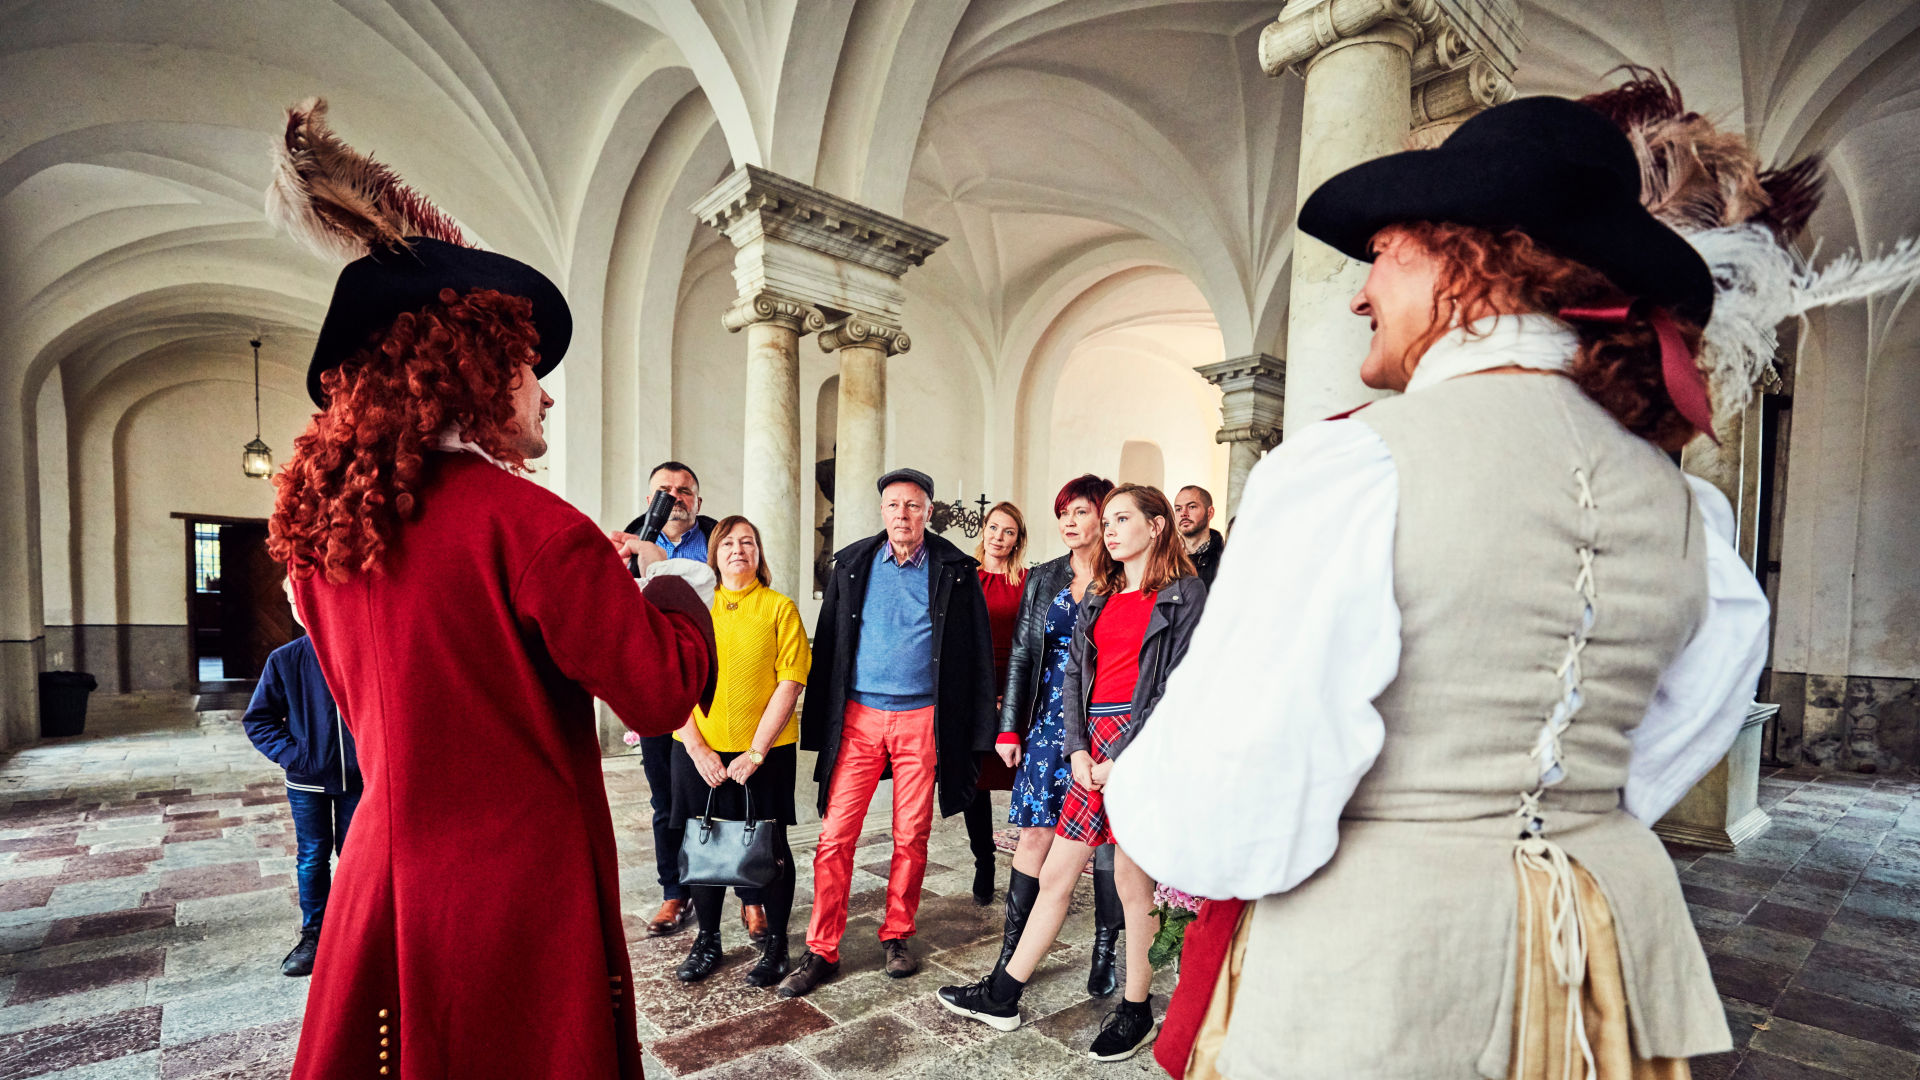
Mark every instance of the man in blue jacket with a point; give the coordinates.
(293, 721)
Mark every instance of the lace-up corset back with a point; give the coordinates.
(1548, 566)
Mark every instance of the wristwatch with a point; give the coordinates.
(756, 757)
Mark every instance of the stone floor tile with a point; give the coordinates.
(142, 1066)
(79, 1042)
(38, 985)
(1791, 920)
(1759, 1066)
(1772, 946)
(1749, 980)
(877, 1047)
(774, 1063)
(192, 1017)
(703, 1048)
(1834, 1052)
(1848, 1017)
(859, 994)
(264, 1050)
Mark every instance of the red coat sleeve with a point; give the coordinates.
(652, 667)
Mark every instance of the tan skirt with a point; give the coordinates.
(1542, 1028)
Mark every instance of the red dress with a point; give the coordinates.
(1003, 611)
(1117, 636)
(474, 927)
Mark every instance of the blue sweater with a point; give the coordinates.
(292, 720)
(893, 668)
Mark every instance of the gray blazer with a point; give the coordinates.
(1176, 611)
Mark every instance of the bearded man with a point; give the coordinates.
(465, 618)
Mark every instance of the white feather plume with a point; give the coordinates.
(1758, 284)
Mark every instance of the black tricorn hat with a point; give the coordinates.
(376, 289)
(1552, 168)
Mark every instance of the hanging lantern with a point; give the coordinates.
(256, 458)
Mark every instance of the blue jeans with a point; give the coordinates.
(320, 825)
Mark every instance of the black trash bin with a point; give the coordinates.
(63, 702)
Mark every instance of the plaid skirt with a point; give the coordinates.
(1083, 813)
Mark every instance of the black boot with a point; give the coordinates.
(1109, 918)
(773, 964)
(702, 959)
(1022, 891)
(299, 962)
(984, 871)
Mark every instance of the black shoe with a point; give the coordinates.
(1022, 891)
(299, 962)
(975, 1001)
(1127, 1028)
(984, 871)
(900, 959)
(814, 969)
(1109, 918)
(702, 958)
(773, 964)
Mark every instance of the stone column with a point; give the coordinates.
(860, 430)
(1359, 59)
(770, 461)
(1253, 390)
(800, 249)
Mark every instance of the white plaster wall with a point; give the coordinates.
(1886, 570)
(1125, 385)
(709, 397)
(179, 451)
(56, 559)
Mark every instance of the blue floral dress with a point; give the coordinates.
(1045, 775)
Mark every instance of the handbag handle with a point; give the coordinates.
(706, 819)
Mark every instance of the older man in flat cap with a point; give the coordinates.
(903, 678)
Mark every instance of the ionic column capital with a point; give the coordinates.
(857, 330)
(1264, 437)
(771, 307)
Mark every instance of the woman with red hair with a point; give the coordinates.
(1468, 644)
(465, 619)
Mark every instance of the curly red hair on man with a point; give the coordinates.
(357, 470)
(1484, 273)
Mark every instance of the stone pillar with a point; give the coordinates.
(860, 429)
(1359, 59)
(770, 481)
(1253, 390)
(807, 252)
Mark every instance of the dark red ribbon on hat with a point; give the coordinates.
(1685, 384)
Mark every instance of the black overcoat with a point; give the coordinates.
(963, 715)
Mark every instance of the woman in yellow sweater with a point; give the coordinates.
(744, 745)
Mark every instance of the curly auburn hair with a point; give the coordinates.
(356, 471)
(1483, 273)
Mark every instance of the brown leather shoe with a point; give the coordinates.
(900, 962)
(673, 917)
(754, 918)
(814, 969)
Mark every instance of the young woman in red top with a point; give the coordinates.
(1133, 628)
(1003, 571)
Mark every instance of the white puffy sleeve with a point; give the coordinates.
(1235, 786)
(1701, 699)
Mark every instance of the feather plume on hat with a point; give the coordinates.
(1709, 186)
(342, 203)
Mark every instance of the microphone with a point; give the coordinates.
(655, 519)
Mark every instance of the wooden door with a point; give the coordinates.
(255, 617)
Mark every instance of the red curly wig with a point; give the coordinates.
(1484, 273)
(356, 471)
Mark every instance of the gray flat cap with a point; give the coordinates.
(911, 476)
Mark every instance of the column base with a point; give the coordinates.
(1721, 838)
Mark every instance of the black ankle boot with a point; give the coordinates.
(984, 871)
(702, 958)
(1022, 891)
(1109, 918)
(773, 965)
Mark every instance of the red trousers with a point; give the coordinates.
(869, 738)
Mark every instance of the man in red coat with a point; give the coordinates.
(465, 619)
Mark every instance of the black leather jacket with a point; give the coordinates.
(1029, 656)
(1169, 631)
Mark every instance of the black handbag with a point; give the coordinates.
(716, 851)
